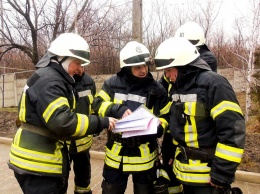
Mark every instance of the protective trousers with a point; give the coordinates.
(82, 171)
(31, 184)
(116, 182)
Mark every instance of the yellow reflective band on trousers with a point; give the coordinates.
(191, 134)
(193, 172)
(103, 108)
(36, 161)
(229, 153)
(82, 125)
(22, 111)
(223, 106)
(135, 163)
(81, 189)
(175, 189)
(54, 106)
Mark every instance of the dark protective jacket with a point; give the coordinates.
(118, 93)
(85, 90)
(205, 114)
(47, 108)
(208, 57)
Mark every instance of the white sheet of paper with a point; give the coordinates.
(152, 129)
(140, 122)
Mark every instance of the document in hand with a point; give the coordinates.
(140, 122)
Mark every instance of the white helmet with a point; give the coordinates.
(133, 54)
(71, 45)
(176, 51)
(193, 32)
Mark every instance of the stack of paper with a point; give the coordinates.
(140, 122)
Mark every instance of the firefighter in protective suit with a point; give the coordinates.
(39, 154)
(120, 95)
(206, 121)
(195, 34)
(79, 149)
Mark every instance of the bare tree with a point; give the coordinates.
(32, 24)
(245, 43)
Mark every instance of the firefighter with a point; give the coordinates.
(39, 154)
(195, 34)
(79, 149)
(206, 121)
(120, 95)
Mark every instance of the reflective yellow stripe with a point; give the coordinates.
(165, 109)
(37, 161)
(82, 189)
(83, 143)
(164, 174)
(103, 108)
(223, 106)
(191, 134)
(91, 98)
(35, 166)
(54, 106)
(17, 136)
(113, 153)
(111, 163)
(22, 111)
(138, 167)
(144, 149)
(82, 126)
(104, 95)
(117, 101)
(39, 156)
(229, 153)
(175, 189)
(164, 123)
(190, 177)
(115, 160)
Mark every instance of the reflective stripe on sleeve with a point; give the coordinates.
(223, 106)
(54, 106)
(103, 108)
(104, 95)
(166, 109)
(82, 125)
(229, 153)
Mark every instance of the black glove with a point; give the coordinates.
(159, 131)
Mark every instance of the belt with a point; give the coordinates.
(197, 153)
(39, 130)
(130, 141)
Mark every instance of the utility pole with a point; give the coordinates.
(137, 21)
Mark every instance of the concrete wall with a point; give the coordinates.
(14, 87)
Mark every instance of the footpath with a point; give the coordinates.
(249, 182)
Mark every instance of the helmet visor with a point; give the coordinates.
(162, 62)
(194, 42)
(80, 53)
(136, 59)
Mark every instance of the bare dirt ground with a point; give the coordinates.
(250, 161)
